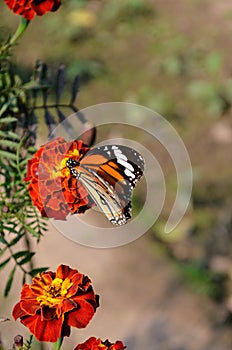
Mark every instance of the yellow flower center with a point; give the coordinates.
(55, 293)
(61, 170)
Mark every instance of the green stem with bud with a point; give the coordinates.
(23, 24)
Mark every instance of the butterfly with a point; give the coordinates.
(109, 174)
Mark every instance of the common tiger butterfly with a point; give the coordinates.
(109, 174)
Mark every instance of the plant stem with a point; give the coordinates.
(28, 246)
(16, 263)
(23, 24)
(58, 343)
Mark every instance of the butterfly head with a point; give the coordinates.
(72, 164)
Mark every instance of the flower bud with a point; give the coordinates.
(18, 341)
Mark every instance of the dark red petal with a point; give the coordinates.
(77, 277)
(53, 203)
(64, 271)
(48, 313)
(76, 280)
(57, 215)
(17, 311)
(48, 331)
(85, 293)
(41, 7)
(92, 344)
(80, 317)
(26, 292)
(43, 279)
(117, 346)
(68, 305)
(30, 306)
(22, 7)
(29, 321)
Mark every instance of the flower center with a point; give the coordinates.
(61, 170)
(55, 292)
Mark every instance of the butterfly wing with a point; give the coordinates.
(104, 197)
(110, 173)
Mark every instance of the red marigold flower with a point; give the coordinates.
(29, 8)
(56, 301)
(97, 344)
(51, 187)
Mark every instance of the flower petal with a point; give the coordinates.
(30, 307)
(67, 305)
(80, 317)
(17, 311)
(44, 330)
(48, 313)
(21, 8)
(41, 7)
(64, 271)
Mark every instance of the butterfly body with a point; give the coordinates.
(109, 174)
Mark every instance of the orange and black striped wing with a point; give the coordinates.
(110, 173)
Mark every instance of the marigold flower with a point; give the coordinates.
(56, 301)
(51, 187)
(29, 8)
(97, 344)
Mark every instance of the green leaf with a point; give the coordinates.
(13, 135)
(31, 231)
(9, 282)
(4, 263)
(33, 222)
(20, 254)
(19, 192)
(2, 251)
(27, 258)
(24, 162)
(7, 120)
(3, 133)
(11, 101)
(34, 272)
(8, 143)
(43, 225)
(15, 240)
(28, 344)
(10, 229)
(2, 239)
(13, 164)
(9, 134)
(31, 149)
(8, 155)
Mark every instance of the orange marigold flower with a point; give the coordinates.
(56, 301)
(29, 8)
(97, 344)
(51, 187)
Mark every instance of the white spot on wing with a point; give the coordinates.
(129, 173)
(126, 164)
(120, 155)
